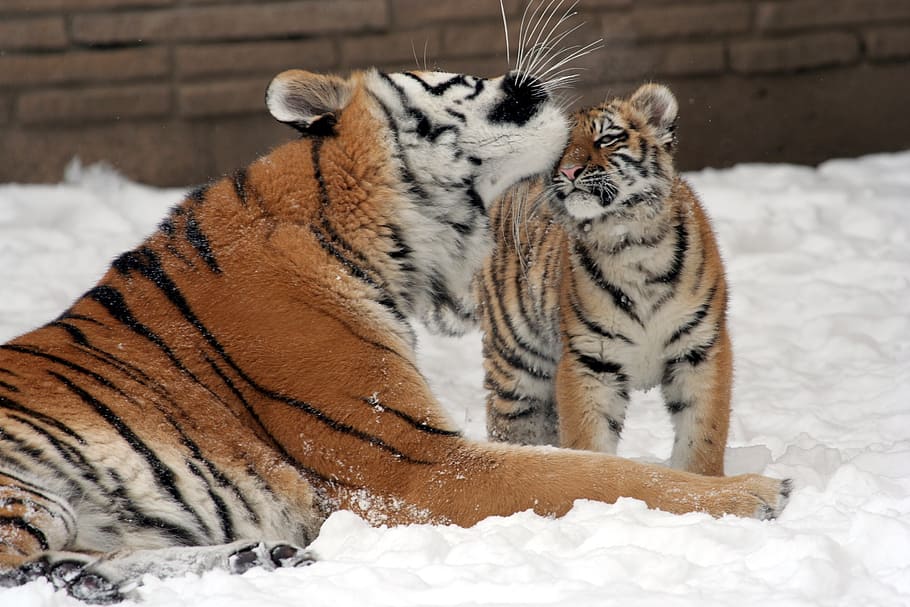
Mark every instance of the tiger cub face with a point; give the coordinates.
(619, 161)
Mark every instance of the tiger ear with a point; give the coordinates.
(660, 108)
(306, 101)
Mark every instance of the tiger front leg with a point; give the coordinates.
(697, 388)
(592, 395)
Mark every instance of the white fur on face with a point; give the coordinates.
(464, 141)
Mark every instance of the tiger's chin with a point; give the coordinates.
(585, 206)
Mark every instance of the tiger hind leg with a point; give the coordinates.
(33, 521)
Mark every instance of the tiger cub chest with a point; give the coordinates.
(627, 307)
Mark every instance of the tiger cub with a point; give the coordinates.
(615, 284)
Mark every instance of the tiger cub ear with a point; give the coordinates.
(660, 108)
(306, 101)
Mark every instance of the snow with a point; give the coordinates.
(819, 265)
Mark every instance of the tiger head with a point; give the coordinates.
(451, 132)
(619, 161)
(453, 143)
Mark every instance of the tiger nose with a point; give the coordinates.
(571, 171)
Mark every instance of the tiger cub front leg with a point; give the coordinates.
(696, 389)
(592, 395)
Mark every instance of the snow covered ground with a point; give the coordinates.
(819, 265)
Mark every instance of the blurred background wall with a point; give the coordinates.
(171, 91)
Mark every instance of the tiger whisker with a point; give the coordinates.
(505, 28)
(573, 53)
(546, 43)
(539, 29)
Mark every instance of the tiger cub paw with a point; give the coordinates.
(269, 555)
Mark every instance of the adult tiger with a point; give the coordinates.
(616, 284)
(249, 368)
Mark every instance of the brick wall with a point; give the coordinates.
(171, 91)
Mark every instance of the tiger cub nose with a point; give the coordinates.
(571, 171)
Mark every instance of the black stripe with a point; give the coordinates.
(616, 426)
(29, 487)
(620, 299)
(533, 404)
(221, 509)
(406, 175)
(70, 315)
(71, 455)
(600, 366)
(75, 332)
(101, 379)
(697, 355)
(8, 386)
(147, 263)
(129, 514)
(273, 442)
(696, 319)
(334, 243)
(411, 421)
(112, 300)
(680, 248)
(677, 406)
(500, 318)
(33, 457)
(197, 238)
(440, 88)
(239, 181)
(591, 325)
(20, 524)
(490, 383)
(164, 476)
(30, 504)
(11, 405)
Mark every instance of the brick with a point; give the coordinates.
(33, 6)
(641, 62)
(222, 98)
(77, 66)
(253, 57)
(888, 42)
(617, 28)
(794, 53)
(796, 14)
(231, 22)
(98, 103)
(239, 140)
(483, 67)
(478, 39)
(684, 21)
(589, 5)
(155, 152)
(397, 47)
(5, 105)
(25, 34)
(409, 13)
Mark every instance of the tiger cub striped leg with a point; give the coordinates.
(592, 396)
(696, 390)
(520, 404)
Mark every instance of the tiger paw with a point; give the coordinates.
(269, 556)
(762, 497)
